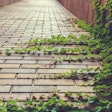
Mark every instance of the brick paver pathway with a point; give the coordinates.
(25, 76)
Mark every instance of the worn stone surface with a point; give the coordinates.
(11, 57)
(53, 82)
(53, 70)
(7, 76)
(37, 66)
(38, 58)
(17, 71)
(5, 89)
(21, 61)
(9, 65)
(27, 76)
(1, 61)
(16, 82)
(32, 89)
(44, 62)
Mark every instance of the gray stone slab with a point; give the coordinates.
(1, 61)
(10, 57)
(32, 89)
(38, 58)
(17, 71)
(44, 62)
(21, 61)
(4, 89)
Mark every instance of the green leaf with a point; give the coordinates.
(98, 109)
(53, 110)
(91, 99)
(3, 109)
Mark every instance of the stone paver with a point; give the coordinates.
(37, 66)
(17, 71)
(27, 76)
(38, 58)
(1, 61)
(53, 70)
(53, 82)
(75, 89)
(4, 89)
(9, 65)
(7, 76)
(16, 82)
(21, 61)
(32, 89)
(11, 57)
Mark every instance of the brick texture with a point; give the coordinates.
(6, 2)
(7, 76)
(83, 9)
(9, 65)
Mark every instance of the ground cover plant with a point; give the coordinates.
(52, 105)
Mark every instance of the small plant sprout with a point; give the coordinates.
(0, 51)
(57, 60)
(49, 49)
(23, 50)
(8, 51)
(73, 72)
(63, 50)
(80, 58)
(68, 94)
(97, 69)
(55, 93)
(17, 50)
(35, 41)
(80, 95)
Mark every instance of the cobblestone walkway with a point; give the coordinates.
(25, 76)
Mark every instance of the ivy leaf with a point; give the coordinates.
(53, 110)
(99, 109)
(91, 99)
(3, 109)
